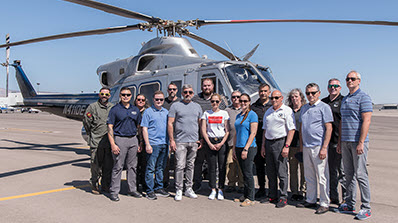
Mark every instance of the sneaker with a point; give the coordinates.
(306, 205)
(240, 199)
(260, 193)
(190, 193)
(345, 209)
(269, 200)
(281, 203)
(151, 196)
(162, 193)
(247, 203)
(134, 194)
(114, 198)
(364, 214)
(212, 195)
(220, 195)
(178, 195)
(322, 210)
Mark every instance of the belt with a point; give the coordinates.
(273, 140)
(215, 138)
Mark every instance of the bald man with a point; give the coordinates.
(279, 126)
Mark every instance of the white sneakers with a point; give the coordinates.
(220, 195)
(178, 196)
(190, 193)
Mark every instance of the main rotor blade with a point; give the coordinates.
(361, 22)
(216, 47)
(75, 34)
(115, 10)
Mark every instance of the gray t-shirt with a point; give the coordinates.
(186, 126)
(232, 112)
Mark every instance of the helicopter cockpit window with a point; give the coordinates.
(148, 89)
(244, 78)
(268, 75)
(144, 62)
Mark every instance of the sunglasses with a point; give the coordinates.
(188, 92)
(172, 89)
(215, 101)
(125, 95)
(334, 86)
(351, 78)
(243, 101)
(233, 97)
(138, 99)
(159, 99)
(105, 94)
(308, 93)
(276, 97)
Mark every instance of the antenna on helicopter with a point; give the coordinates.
(250, 54)
(7, 61)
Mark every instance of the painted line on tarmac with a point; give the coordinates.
(43, 192)
(24, 130)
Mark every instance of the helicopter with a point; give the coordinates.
(167, 58)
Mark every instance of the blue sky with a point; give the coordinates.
(298, 53)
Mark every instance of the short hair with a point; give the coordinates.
(354, 71)
(208, 79)
(105, 88)
(172, 83)
(264, 85)
(124, 89)
(310, 85)
(216, 95)
(186, 86)
(333, 79)
(157, 92)
(289, 100)
(237, 91)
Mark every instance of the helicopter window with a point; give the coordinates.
(121, 71)
(148, 89)
(268, 75)
(104, 78)
(144, 62)
(244, 78)
(193, 51)
(133, 90)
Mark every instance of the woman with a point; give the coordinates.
(215, 132)
(245, 147)
(295, 100)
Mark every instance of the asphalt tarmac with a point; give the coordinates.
(44, 176)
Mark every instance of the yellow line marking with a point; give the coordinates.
(43, 192)
(26, 130)
(82, 147)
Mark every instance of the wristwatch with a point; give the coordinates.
(245, 150)
(287, 145)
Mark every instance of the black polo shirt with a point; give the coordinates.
(335, 105)
(260, 110)
(124, 120)
(167, 102)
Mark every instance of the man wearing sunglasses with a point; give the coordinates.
(154, 131)
(94, 122)
(172, 91)
(183, 130)
(123, 124)
(336, 173)
(315, 130)
(356, 113)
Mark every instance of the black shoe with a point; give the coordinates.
(114, 198)
(134, 194)
(166, 185)
(281, 203)
(306, 205)
(268, 200)
(151, 196)
(229, 189)
(321, 210)
(162, 193)
(294, 197)
(260, 193)
(300, 197)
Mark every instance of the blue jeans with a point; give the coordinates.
(156, 162)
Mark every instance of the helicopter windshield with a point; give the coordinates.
(266, 72)
(245, 78)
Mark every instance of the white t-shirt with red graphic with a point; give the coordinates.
(215, 122)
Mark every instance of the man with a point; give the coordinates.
(154, 131)
(356, 113)
(94, 122)
(172, 91)
(279, 127)
(336, 173)
(316, 128)
(123, 124)
(234, 173)
(186, 115)
(260, 107)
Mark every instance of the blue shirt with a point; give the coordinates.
(352, 107)
(124, 120)
(313, 119)
(156, 122)
(243, 130)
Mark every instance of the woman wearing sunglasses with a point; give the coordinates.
(215, 131)
(245, 147)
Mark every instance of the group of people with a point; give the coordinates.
(319, 143)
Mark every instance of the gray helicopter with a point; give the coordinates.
(164, 59)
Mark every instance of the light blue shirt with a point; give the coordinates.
(352, 107)
(156, 122)
(313, 119)
(243, 130)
